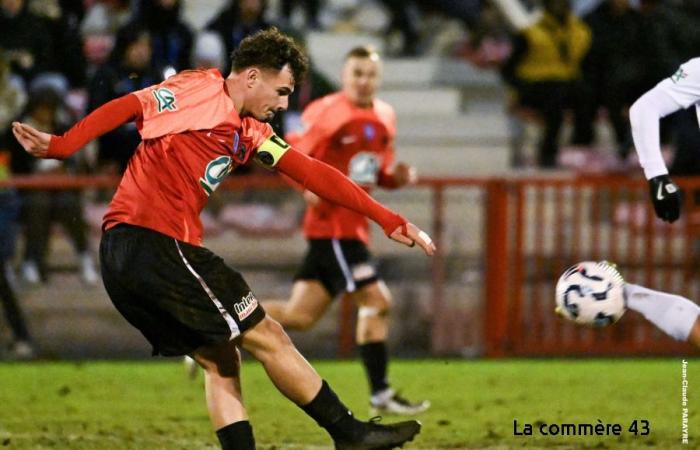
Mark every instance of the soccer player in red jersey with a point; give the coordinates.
(354, 132)
(196, 128)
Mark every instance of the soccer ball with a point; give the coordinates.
(591, 293)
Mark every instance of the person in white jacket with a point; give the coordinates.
(680, 91)
(675, 315)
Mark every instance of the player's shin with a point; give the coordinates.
(372, 329)
(672, 314)
(332, 415)
(375, 359)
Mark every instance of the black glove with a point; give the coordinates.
(666, 198)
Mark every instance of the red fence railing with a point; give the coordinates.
(530, 230)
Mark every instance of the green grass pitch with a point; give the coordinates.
(152, 405)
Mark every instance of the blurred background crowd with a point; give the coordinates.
(560, 65)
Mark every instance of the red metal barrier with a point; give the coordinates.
(533, 228)
(559, 222)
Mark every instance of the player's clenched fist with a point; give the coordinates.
(666, 198)
(410, 235)
(405, 174)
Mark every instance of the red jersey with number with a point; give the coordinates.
(357, 141)
(192, 139)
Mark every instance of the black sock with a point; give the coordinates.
(375, 359)
(237, 436)
(330, 413)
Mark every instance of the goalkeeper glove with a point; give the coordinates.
(666, 198)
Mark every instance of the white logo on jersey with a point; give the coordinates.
(364, 168)
(214, 174)
(166, 99)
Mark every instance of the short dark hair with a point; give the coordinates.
(362, 51)
(270, 49)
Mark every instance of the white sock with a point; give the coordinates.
(382, 396)
(673, 314)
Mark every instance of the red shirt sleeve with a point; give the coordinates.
(190, 100)
(332, 185)
(105, 118)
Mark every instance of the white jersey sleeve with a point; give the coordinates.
(679, 91)
(684, 85)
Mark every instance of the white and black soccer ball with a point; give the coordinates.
(591, 293)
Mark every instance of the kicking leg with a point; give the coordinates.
(674, 315)
(298, 381)
(374, 303)
(307, 304)
(286, 367)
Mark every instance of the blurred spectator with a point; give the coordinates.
(23, 37)
(403, 19)
(544, 71)
(66, 42)
(99, 28)
(238, 20)
(208, 52)
(128, 70)
(666, 40)
(171, 38)
(12, 94)
(73, 10)
(106, 17)
(21, 346)
(488, 45)
(614, 68)
(466, 11)
(41, 208)
(311, 8)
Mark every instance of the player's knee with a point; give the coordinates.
(273, 334)
(369, 312)
(376, 306)
(223, 360)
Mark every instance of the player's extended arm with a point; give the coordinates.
(331, 184)
(645, 114)
(644, 117)
(102, 120)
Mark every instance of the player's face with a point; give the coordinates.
(269, 93)
(361, 78)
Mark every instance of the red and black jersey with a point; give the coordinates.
(357, 141)
(192, 139)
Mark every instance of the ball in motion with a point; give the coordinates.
(591, 293)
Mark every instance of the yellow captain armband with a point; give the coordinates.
(270, 152)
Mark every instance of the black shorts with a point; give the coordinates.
(341, 265)
(178, 295)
